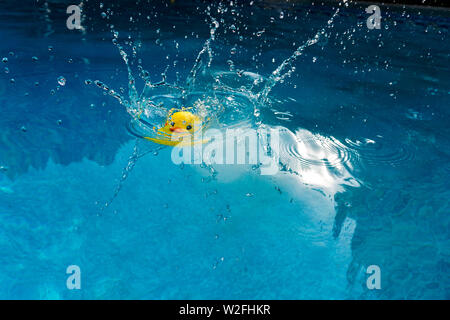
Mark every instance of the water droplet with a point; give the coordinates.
(281, 15)
(34, 58)
(103, 15)
(233, 50)
(6, 70)
(23, 128)
(5, 60)
(62, 81)
(88, 81)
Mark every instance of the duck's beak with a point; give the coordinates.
(178, 130)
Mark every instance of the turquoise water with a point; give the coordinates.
(363, 157)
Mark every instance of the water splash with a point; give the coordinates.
(286, 68)
(253, 87)
(126, 171)
(206, 49)
(234, 97)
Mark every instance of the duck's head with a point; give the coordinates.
(182, 122)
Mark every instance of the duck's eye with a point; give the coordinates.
(189, 127)
(172, 124)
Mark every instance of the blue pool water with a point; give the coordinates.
(363, 159)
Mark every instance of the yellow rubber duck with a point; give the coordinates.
(179, 129)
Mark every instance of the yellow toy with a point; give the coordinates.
(179, 129)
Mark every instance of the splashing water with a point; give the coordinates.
(233, 98)
(222, 82)
(363, 153)
(286, 68)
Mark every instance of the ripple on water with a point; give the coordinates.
(381, 152)
(317, 160)
(330, 163)
(315, 150)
